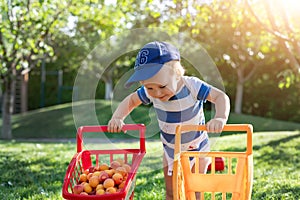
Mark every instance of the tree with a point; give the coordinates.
(280, 19)
(221, 27)
(243, 45)
(94, 23)
(26, 29)
(229, 31)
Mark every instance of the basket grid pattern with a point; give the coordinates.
(84, 159)
(233, 183)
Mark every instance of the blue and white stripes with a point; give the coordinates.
(186, 107)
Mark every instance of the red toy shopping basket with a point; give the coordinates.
(84, 159)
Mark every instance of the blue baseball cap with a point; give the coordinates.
(150, 60)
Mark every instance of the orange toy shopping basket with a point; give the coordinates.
(234, 183)
(84, 159)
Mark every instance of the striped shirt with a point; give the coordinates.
(185, 107)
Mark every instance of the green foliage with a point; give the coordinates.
(263, 97)
(26, 29)
(287, 79)
(75, 28)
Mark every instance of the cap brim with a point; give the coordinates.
(144, 73)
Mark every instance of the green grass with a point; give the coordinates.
(36, 170)
(276, 163)
(58, 121)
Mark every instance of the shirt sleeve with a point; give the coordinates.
(203, 91)
(143, 95)
(199, 88)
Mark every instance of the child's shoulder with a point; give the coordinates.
(191, 80)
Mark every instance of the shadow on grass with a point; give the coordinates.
(272, 144)
(275, 143)
(280, 152)
(275, 168)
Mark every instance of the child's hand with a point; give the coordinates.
(115, 125)
(215, 125)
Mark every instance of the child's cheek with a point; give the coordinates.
(173, 87)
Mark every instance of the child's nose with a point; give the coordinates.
(157, 93)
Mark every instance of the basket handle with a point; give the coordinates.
(228, 127)
(104, 128)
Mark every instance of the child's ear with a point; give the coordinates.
(178, 75)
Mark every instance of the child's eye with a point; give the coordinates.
(149, 88)
(162, 86)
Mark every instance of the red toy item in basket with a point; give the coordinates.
(90, 176)
(219, 164)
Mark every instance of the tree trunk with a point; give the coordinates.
(108, 88)
(8, 107)
(239, 98)
(240, 90)
(24, 92)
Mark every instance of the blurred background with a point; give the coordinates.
(254, 44)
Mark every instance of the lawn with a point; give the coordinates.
(34, 169)
(58, 121)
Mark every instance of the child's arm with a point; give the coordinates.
(125, 107)
(222, 105)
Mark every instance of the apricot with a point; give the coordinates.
(122, 185)
(103, 167)
(127, 167)
(118, 178)
(100, 186)
(115, 164)
(121, 170)
(111, 190)
(87, 188)
(82, 178)
(89, 176)
(97, 173)
(103, 176)
(108, 183)
(78, 189)
(100, 192)
(110, 172)
(94, 181)
(120, 160)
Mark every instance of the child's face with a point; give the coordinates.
(162, 85)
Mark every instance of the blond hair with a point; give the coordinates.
(176, 66)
